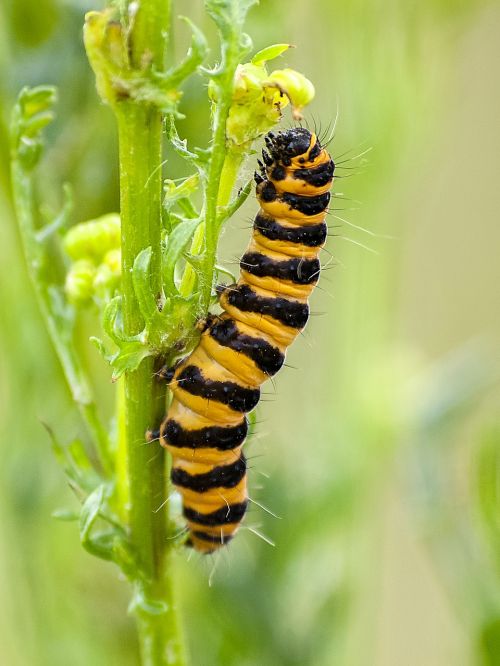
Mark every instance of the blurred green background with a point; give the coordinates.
(379, 448)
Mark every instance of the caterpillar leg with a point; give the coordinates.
(153, 435)
(166, 372)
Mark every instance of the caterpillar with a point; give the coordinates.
(216, 385)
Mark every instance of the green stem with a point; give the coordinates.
(59, 324)
(212, 192)
(227, 179)
(222, 175)
(122, 489)
(140, 141)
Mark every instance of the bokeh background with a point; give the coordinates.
(378, 449)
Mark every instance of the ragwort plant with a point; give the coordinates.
(149, 271)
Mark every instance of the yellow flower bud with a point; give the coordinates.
(79, 282)
(259, 98)
(112, 259)
(248, 80)
(93, 239)
(105, 282)
(299, 90)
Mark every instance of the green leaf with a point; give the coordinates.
(61, 220)
(125, 558)
(195, 56)
(228, 211)
(97, 342)
(90, 511)
(199, 158)
(101, 544)
(229, 15)
(142, 285)
(31, 114)
(81, 477)
(177, 242)
(131, 349)
(129, 358)
(78, 455)
(188, 208)
(223, 271)
(104, 41)
(175, 192)
(269, 53)
(158, 322)
(112, 322)
(142, 602)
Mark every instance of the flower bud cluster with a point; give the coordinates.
(259, 97)
(94, 250)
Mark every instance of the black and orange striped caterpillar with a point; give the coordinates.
(218, 383)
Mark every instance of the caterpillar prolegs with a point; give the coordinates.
(218, 383)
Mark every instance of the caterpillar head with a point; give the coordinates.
(288, 144)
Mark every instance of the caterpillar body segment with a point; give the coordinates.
(219, 382)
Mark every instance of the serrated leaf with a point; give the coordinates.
(198, 158)
(129, 358)
(131, 350)
(195, 56)
(31, 114)
(177, 242)
(229, 15)
(269, 53)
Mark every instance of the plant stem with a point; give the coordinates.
(140, 141)
(227, 179)
(122, 489)
(140, 133)
(223, 171)
(212, 194)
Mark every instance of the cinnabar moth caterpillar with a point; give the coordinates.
(218, 383)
